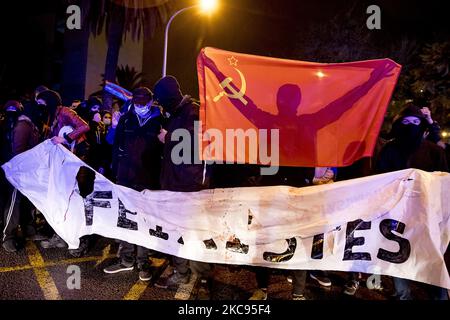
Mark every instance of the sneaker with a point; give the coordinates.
(36, 237)
(118, 267)
(145, 274)
(31, 234)
(259, 294)
(174, 280)
(81, 250)
(53, 242)
(10, 246)
(204, 292)
(321, 279)
(351, 287)
(77, 253)
(296, 296)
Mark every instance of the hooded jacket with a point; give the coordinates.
(192, 176)
(428, 157)
(185, 177)
(136, 159)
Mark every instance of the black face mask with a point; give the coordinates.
(408, 136)
(169, 103)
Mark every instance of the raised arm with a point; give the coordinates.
(252, 112)
(334, 110)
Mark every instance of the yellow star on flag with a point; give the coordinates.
(233, 61)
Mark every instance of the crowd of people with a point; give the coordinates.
(131, 145)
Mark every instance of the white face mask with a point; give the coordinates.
(142, 110)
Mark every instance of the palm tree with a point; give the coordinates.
(120, 18)
(129, 78)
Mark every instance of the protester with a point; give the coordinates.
(111, 130)
(106, 146)
(21, 135)
(38, 113)
(96, 139)
(85, 109)
(136, 164)
(69, 129)
(185, 177)
(409, 149)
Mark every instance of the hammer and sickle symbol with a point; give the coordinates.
(234, 94)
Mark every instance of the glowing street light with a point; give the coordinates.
(206, 6)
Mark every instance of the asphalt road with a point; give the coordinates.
(35, 273)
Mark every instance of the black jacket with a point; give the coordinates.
(185, 176)
(428, 157)
(137, 152)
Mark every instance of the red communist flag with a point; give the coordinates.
(328, 114)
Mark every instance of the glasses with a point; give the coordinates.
(415, 121)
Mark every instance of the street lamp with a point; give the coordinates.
(205, 6)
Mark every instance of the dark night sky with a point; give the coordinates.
(265, 27)
(271, 23)
(278, 28)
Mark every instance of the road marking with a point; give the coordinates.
(47, 284)
(137, 290)
(184, 290)
(139, 287)
(105, 255)
(44, 278)
(57, 263)
(157, 263)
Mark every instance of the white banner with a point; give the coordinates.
(394, 224)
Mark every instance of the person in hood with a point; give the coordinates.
(186, 177)
(136, 164)
(96, 139)
(60, 117)
(69, 129)
(38, 113)
(21, 135)
(409, 149)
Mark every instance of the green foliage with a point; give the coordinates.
(430, 80)
(128, 78)
(425, 67)
(140, 18)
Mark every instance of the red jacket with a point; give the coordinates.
(67, 117)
